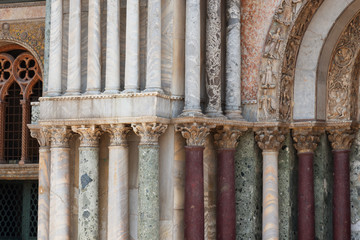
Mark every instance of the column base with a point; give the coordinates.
(92, 92)
(153, 90)
(234, 115)
(217, 115)
(130, 90)
(192, 113)
(111, 91)
(52, 94)
(72, 93)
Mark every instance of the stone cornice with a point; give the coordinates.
(19, 172)
(194, 133)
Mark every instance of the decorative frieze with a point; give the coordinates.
(306, 140)
(270, 138)
(60, 136)
(149, 132)
(227, 137)
(341, 138)
(89, 135)
(194, 133)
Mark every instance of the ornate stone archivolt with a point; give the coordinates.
(270, 138)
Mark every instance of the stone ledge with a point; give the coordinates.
(19, 172)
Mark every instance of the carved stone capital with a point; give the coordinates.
(270, 138)
(42, 134)
(226, 137)
(118, 133)
(60, 136)
(341, 138)
(194, 133)
(89, 135)
(149, 132)
(306, 140)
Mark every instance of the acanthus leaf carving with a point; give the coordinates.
(60, 136)
(118, 133)
(89, 135)
(306, 139)
(149, 132)
(227, 137)
(42, 135)
(341, 138)
(270, 138)
(194, 133)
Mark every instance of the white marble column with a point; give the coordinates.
(55, 51)
(233, 61)
(270, 141)
(118, 193)
(88, 215)
(60, 184)
(192, 59)
(94, 48)
(132, 46)
(112, 73)
(74, 49)
(153, 65)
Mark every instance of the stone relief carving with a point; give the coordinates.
(149, 132)
(273, 44)
(341, 138)
(194, 133)
(270, 138)
(287, 11)
(268, 77)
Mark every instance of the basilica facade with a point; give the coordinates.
(179, 119)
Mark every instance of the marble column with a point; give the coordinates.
(55, 50)
(226, 142)
(132, 46)
(74, 49)
(341, 140)
(118, 199)
(112, 73)
(43, 137)
(94, 49)
(270, 139)
(153, 64)
(213, 58)
(306, 142)
(148, 196)
(195, 135)
(192, 59)
(25, 105)
(233, 61)
(88, 215)
(59, 225)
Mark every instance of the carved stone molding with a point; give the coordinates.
(270, 138)
(306, 139)
(149, 132)
(118, 133)
(194, 133)
(42, 134)
(341, 138)
(227, 137)
(89, 135)
(60, 136)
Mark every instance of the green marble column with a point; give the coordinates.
(355, 188)
(148, 196)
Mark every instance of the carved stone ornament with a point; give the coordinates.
(60, 136)
(273, 44)
(270, 138)
(306, 140)
(89, 135)
(227, 137)
(194, 133)
(287, 11)
(149, 132)
(42, 135)
(118, 133)
(341, 138)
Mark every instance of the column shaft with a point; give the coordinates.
(226, 212)
(194, 194)
(2, 131)
(94, 49)
(341, 197)
(55, 55)
(25, 104)
(306, 202)
(132, 46)
(112, 80)
(74, 49)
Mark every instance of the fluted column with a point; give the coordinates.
(269, 140)
(112, 79)
(43, 137)
(192, 59)
(195, 135)
(153, 65)
(233, 61)
(60, 184)
(94, 49)
(226, 141)
(132, 46)
(74, 49)
(88, 222)
(118, 199)
(341, 140)
(306, 141)
(148, 196)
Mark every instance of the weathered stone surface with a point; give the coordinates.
(355, 188)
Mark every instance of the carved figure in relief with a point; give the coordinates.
(288, 10)
(273, 46)
(343, 56)
(5, 29)
(267, 105)
(267, 78)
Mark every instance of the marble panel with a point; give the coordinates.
(22, 13)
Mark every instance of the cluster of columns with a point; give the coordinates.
(54, 181)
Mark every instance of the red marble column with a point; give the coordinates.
(341, 197)
(226, 213)
(306, 202)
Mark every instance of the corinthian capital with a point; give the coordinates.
(118, 133)
(194, 133)
(42, 134)
(341, 138)
(306, 140)
(60, 136)
(149, 132)
(270, 138)
(226, 137)
(89, 135)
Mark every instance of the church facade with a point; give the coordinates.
(174, 119)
